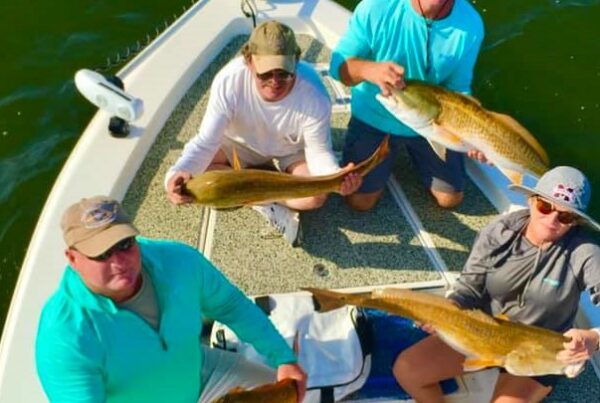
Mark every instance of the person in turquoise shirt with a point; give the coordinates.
(126, 320)
(388, 41)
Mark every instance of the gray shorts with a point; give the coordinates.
(363, 139)
(224, 370)
(250, 158)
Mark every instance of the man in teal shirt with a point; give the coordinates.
(126, 321)
(387, 41)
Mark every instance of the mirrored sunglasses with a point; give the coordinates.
(279, 75)
(121, 246)
(564, 217)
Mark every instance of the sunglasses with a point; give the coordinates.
(279, 75)
(121, 246)
(564, 217)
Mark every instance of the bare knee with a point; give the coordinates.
(403, 369)
(447, 199)
(316, 202)
(363, 201)
(511, 389)
(305, 203)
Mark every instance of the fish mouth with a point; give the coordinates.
(404, 112)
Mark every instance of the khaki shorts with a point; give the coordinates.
(224, 370)
(250, 158)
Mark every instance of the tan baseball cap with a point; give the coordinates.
(272, 45)
(94, 225)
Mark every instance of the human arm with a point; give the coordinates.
(386, 75)
(68, 365)
(199, 151)
(469, 289)
(222, 301)
(584, 342)
(352, 59)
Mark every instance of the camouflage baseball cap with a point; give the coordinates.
(272, 45)
(94, 225)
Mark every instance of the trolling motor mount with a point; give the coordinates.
(108, 93)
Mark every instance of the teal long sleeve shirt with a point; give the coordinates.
(391, 30)
(89, 350)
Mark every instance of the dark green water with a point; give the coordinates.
(540, 63)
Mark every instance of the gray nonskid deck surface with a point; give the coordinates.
(452, 231)
(352, 249)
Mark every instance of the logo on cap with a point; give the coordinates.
(564, 192)
(99, 215)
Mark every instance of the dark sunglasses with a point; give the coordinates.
(545, 207)
(280, 75)
(121, 246)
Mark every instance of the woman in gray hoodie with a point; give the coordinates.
(530, 265)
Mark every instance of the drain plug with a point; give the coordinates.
(320, 270)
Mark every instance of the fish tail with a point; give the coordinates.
(326, 300)
(375, 159)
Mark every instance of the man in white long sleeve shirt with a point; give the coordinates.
(274, 111)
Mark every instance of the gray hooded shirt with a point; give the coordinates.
(507, 274)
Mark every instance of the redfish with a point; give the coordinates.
(234, 188)
(283, 391)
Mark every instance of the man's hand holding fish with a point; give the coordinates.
(293, 371)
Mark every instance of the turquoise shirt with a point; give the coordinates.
(89, 350)
(391, 30)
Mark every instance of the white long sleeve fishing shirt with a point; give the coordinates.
(300, 121)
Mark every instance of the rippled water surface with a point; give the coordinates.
(540, 63)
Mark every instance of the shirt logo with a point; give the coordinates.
(551, 281)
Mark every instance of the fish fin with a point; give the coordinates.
(271, 391)
(532, 358)
(514, 176)
(449, 137)
(439, 149)
(474, 364)
(236, 161)
(327, 300)
(472, 98)
(524, 133)
(502, 316)
(379, 155)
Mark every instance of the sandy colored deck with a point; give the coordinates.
(342, 248)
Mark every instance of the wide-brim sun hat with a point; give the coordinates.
(566, 187)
